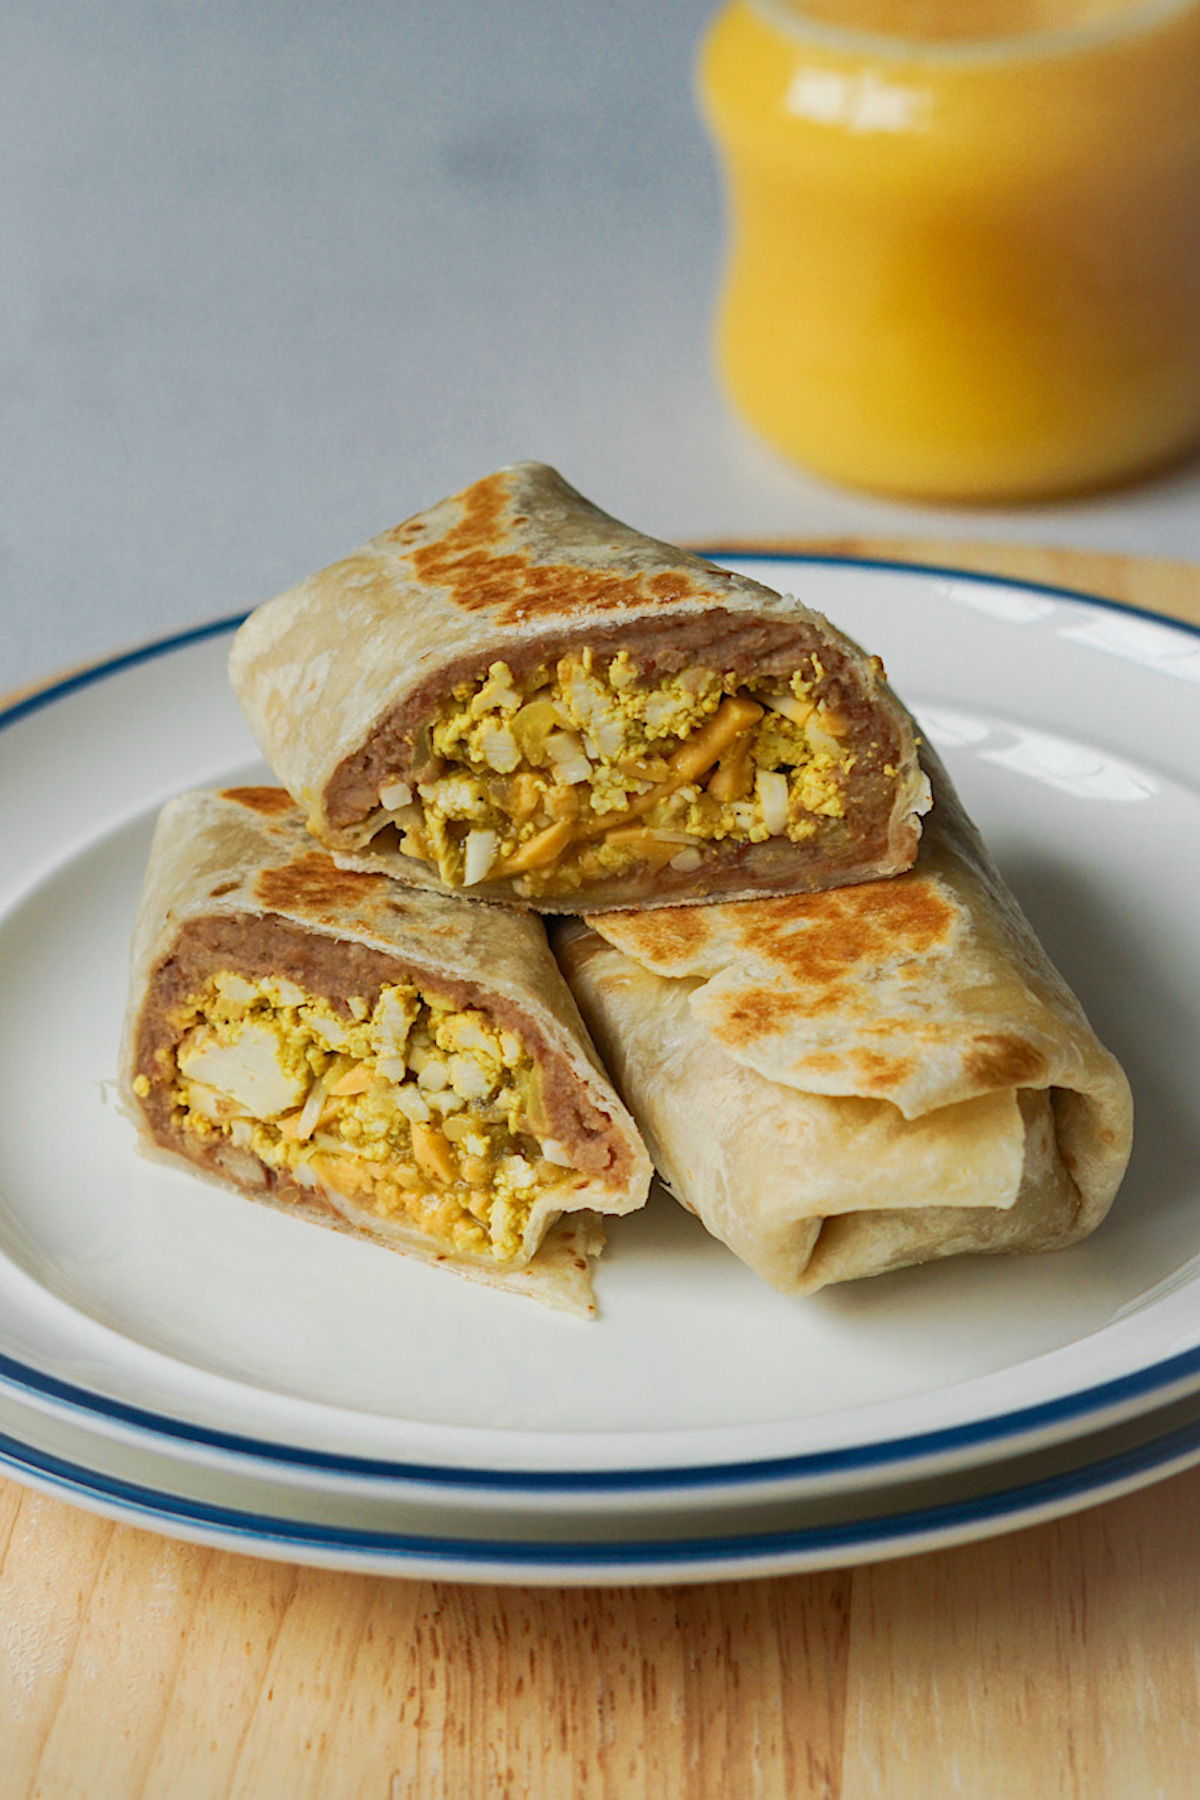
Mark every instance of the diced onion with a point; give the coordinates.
(412, 1103)
(557, 1153)
(566, 753)
(687, 861)
(305, 1175)
(210, 1103)
(608, 732)
(581, 697)
(789, 705)
(310, 1112)
(238, 989)
(480, 849)
(822, 741)
(772, 789)
(445, 1100)
(395, 794)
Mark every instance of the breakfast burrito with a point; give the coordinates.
(516, 697)
(389, 1062)
(840, 1084)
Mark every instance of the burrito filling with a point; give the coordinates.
(587, 770)
(410, 1109)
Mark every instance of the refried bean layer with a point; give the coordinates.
(335, 971)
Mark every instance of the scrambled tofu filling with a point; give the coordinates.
(409, 1108)
(587, 770)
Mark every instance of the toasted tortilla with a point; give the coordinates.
(843, 1083)
(340, 677)
(235, 883)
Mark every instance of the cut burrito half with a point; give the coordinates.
(392, 1063)
(516, 697)
(843, 1083)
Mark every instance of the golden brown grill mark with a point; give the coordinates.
(667, 934)
(871, 1070)
(880, 1073)
(464, 562)
(271, 802)
(670, 587)
(819, 937)
(754, 1013)
(813, 940)
(314, 884)
(819, 944)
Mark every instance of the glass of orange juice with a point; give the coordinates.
(964, 258)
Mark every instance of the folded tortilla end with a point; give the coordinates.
(845, 1083)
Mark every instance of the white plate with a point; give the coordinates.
(155, 1304)
(264, 1513)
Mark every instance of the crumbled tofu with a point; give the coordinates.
(259, 1068)
(537, 772)
(479, 854)
(394, 796)
(403, 1103)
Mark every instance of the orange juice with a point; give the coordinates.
(965, 237)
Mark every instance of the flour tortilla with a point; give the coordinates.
(844, 1083)
(234, 880)
(338, 675)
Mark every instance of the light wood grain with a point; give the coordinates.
(1060, 1663)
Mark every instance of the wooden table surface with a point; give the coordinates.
(1062, 1660)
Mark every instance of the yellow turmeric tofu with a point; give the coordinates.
(543, 777)
(413, 1107)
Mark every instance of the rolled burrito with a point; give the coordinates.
(843, 1083)
(515, 697)
(392, 1063)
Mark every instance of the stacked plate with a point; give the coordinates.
(174, 1357)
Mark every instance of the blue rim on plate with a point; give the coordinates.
(1180, 1368)
(1007, 1505)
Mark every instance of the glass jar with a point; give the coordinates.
(964, 258)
